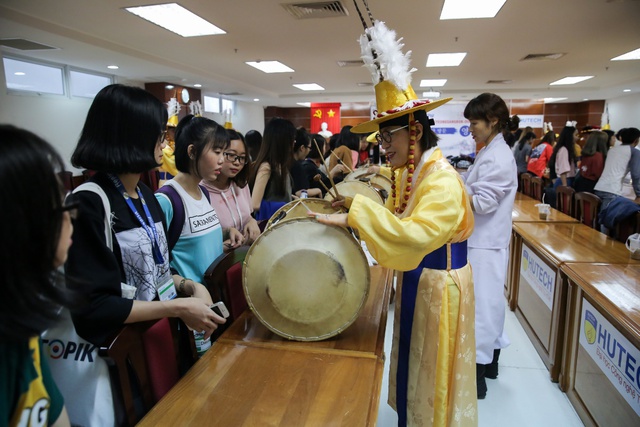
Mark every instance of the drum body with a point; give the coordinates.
(306, 281)
(296, 209)
(351, 188)
(378, 181)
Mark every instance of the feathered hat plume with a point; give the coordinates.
(173, 108)
(195, 108)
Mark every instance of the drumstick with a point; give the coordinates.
(333, 184)
(341, 162)
(318, 178)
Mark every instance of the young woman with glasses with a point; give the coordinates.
(229, 192)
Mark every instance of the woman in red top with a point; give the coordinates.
(594, 154)
(541, 154)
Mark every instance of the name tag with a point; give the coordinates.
(166, 289)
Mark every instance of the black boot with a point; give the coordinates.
(481, 384)
(491, 370)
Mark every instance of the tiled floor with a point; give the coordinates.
(521, 396)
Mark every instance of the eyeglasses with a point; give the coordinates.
(385, 136)
(233, 158)
(163, 136)
(69, 205)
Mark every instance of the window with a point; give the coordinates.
(227, 104)
(211, 104)
(87, 85)
(32, 77)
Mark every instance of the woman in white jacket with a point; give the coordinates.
(491, 183)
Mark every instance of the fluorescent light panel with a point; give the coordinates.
(570, 80)
(270, 66)
(470, 9)
(304, 104)
(177, 19)
(432, 82)
(309, 86)
(445, 59)
(629, 56)
(547, 100)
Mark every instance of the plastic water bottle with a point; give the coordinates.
(202, 345)
(304, 194)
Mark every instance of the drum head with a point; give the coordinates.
(306, 281)
(295, 209)
(377, 180)
(351, 188)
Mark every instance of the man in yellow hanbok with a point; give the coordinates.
(168, 169)
(421, 233)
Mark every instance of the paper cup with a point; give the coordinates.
(543, 210)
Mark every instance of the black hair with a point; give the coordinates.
(549, 138)
(332, 144)
(596, 142)
(253, 138)
(428, 139)
(31, 225)
(241, 177)
(302, 139)
(351, 140)
(277, 150)
(489, 106)
(527, 136)
(319, 143)
(203, 134)
(121, 131)
(629, 135)
(565, 140)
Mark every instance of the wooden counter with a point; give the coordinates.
(539, 293)
(601, 362)
(252, 377)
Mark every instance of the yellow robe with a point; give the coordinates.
(168, 161)
(442, 376)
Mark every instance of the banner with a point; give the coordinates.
(453, 130)
(328, 113)
(538, 275)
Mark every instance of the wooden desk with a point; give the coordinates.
(604, 305)
(539, 293)
(252, 377)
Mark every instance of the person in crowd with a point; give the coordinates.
(200, 143)
(540, 154)
(491, 182)
(229, 192)
(562, 164)
(594, 154)
(521, 134)
(329, 146)
(515, 133)
(122, 137)
(522, 151)
(168, 167)
(421, 233)
(311, 171)
(253, 139)
(36, 235)
(346, 152)
(301, 148)
(621, 160)
(270, 178)
(613, 141)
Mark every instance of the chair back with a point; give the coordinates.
(66, 177)
(626, 228)
(564, 199)
(536, 187)
(587, 206)
(525, 186)
(223, 278)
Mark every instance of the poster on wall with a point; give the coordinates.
(325, 117)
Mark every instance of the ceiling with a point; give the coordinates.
(92, 34)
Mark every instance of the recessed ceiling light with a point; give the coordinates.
(19, 73)
(304, 104)
(432, 82)
(547, 100)
(445, 59)
(256, 99)
(309, 86)
(571, 80)
(270, 66)
(629, 56)
(175, 18)
(197, 85)
(431, 94)
(468, 9)
(112, 67)
(169, 87)
(627, 90)
(585, 99)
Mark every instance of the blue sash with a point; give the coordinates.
(436, 260)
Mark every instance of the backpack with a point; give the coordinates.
(177, 222)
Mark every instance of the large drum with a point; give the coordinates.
(306, 281)
(298, 209)
(351, 188)
(378, 181)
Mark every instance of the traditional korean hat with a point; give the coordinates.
(391, 75)
(173, 108)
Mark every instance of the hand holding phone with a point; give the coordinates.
(220, 309)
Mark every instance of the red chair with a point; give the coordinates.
(587, 206)
(564, 199)
(536, 188)
(525, 184)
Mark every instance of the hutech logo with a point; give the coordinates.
(590, 327)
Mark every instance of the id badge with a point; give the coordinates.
(166, 289)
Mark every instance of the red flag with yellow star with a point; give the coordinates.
(328, 113)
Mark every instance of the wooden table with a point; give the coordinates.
(252, 377)
(539, 293)
(602, 352)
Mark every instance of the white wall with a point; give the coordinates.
(624, 112)
(247, 116)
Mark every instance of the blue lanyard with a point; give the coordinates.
(150, 228)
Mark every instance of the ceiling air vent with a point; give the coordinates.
(365, 84)
(499, 82)
(23, 44)
(543, 56)
(351, 63)
(230, 93)
(322, 9)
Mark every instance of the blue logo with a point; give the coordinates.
(464, 131)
